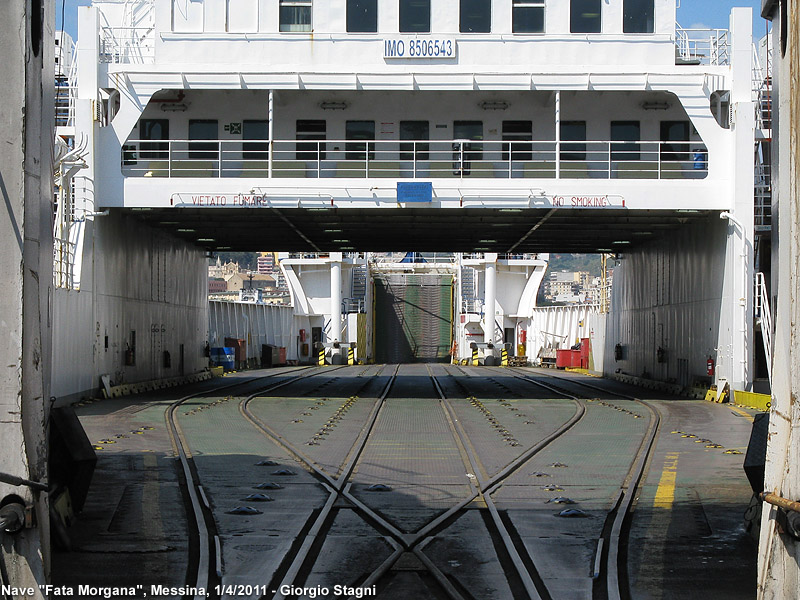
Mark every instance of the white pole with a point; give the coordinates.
(490, 295)
(558, 134)
(271, 132)
(336, 301)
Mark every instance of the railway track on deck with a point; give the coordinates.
(610, 566)
(291, 577)
(204, 571)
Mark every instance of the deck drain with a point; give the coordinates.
(379, 487)
(561, 500)
(572, 513)
(258, 498)
(268, 485)
(244, 510)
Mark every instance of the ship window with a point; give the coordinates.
(468, 130)
(517, 132)
(674, 138)
(255, 130)
(362, 16)
(638, 16)
(359, 130)
(310, 129)
(414, 130)
(527, 16)
(627, 132)
(295, 15)
(584, 16)
(415, 16)
(154, 129)
(476, 16)
(573, 131)
(203, 129)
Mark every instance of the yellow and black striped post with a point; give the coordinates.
(474, 357)
(321, 359)
(351, 356)
(503, 357)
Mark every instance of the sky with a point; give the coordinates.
(692, 14)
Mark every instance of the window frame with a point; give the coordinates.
(203, 150)
(403, 3)
(356, 147)
(627, 13)
(308, 151)
(572, 149)
(153, 150)
(407, 150)
(572, 17)
(624, 149)
(487, 4)
(258, 149)
(519, 5)
(519, 152)
(286, 26)
(371, 9)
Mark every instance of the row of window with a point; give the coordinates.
(311, 131)
(475, 16)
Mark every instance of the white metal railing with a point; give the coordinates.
(66, 89)
(501, 255)
(762, 89)
(379, 259)
(763, 314)
(702, 46)
(128, 45)
(421, 159)
(63, 263)
(762, 194)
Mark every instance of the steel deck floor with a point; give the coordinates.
(686, 539)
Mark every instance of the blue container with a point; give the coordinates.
(223, 357)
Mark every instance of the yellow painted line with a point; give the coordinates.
(665, 493)
(745, 414)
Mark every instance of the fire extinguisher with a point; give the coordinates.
(302, 335)
(710, 367)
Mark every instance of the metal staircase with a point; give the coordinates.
(469, 296)
(763, 316)
(358, 291)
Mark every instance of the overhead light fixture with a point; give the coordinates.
(488, 241)
(174, 107)
(185, 230)
(495, 105)
(621, 242)
(340, 241)
(330, 105)
(655, 105)
(167, 222)
(206, 240)
(332, 230)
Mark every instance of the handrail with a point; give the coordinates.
(702, 46)
(417, 159)
(764, 314)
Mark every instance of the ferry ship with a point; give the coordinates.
(499, 130)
